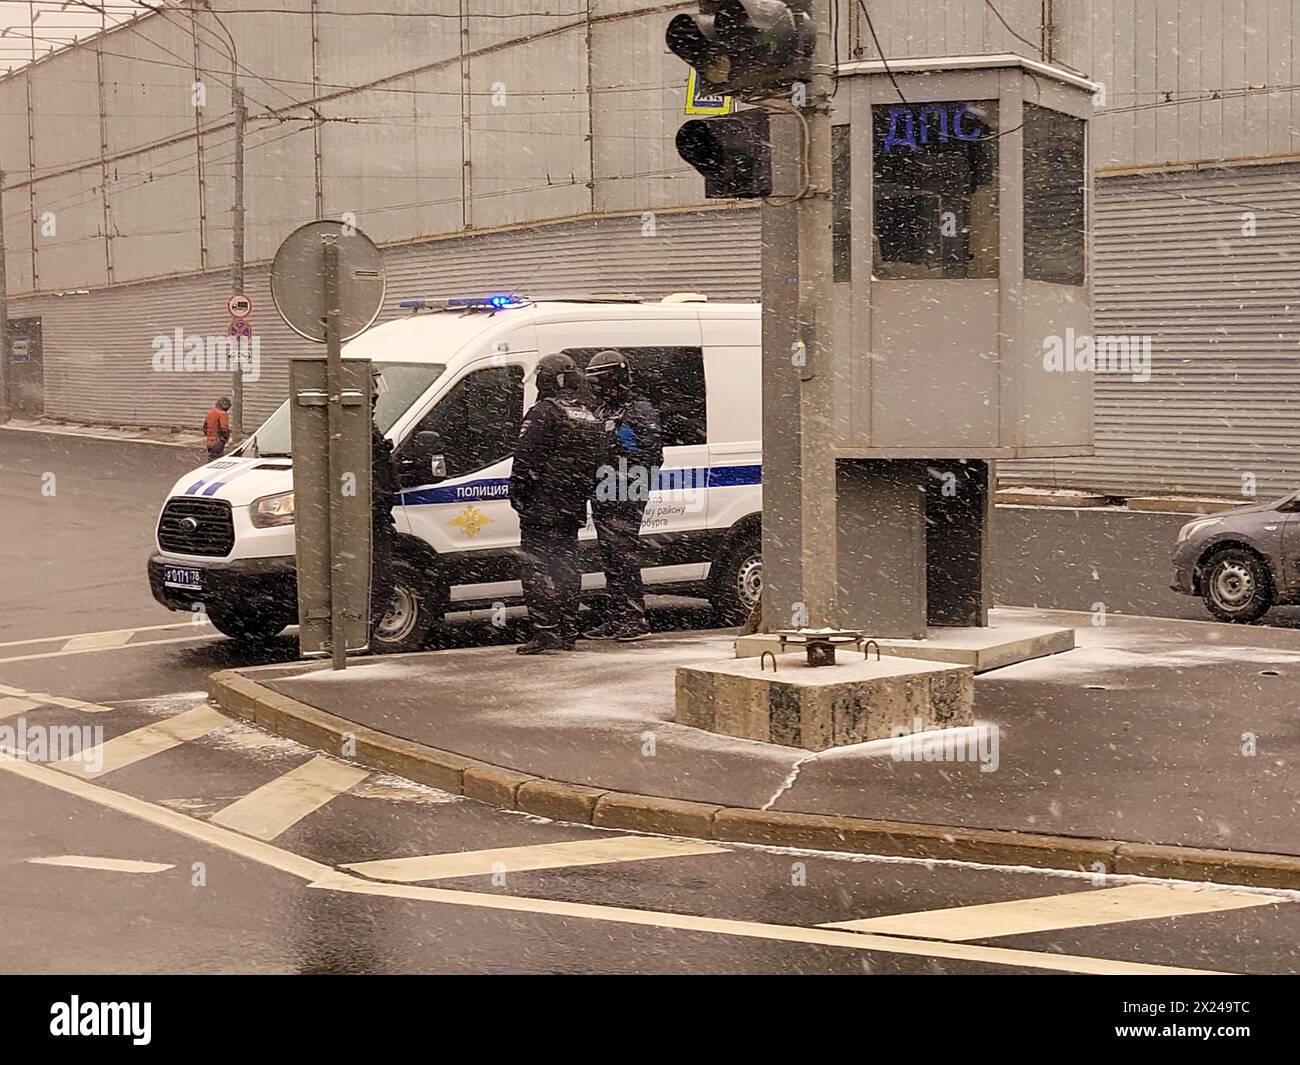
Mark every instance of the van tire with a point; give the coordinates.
(251, 628)
(419, 611)
(737, 580)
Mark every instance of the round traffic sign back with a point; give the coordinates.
(298, 279)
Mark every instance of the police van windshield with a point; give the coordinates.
(404, 383)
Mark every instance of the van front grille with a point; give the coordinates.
(196, 527)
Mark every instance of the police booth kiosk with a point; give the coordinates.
(961, 191)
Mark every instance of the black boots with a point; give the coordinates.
(545, 641)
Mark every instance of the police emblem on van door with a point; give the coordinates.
(470, 521)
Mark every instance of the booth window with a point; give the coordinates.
(935, 190)
(1054, 190)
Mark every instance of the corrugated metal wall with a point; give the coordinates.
(99, 344)
(1207, 264)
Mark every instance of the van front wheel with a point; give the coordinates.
(413, 612)
(737, 581)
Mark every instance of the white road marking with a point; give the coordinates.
(286, 800)
(42, 698)
(106, 632)
(97, 650)
(141, 743)
(324, 877)
(520, 859)
(13, 704)
(97, 641)
(112, 865)
(1079, 909)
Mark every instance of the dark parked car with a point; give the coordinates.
(1242, 562)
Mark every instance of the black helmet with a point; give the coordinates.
(223, 403)
(609, 372)
(556, 373)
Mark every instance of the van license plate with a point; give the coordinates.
(181, 578)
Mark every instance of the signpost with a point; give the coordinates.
(327, 282)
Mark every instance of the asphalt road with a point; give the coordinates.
(241, 849)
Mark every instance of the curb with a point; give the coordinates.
(122, 438)
(559, 800)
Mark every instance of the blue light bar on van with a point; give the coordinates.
(413, 305)
(487, 303)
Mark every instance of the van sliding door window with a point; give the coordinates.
(478, 421)
(672, 379)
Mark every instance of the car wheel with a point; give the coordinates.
(737, 581)
(414, 612)
(254, 628)
(1236, 585)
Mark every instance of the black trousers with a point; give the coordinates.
(551, 574)
(383, 538)
(618, 528)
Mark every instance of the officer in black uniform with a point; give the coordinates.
(560, 445)
(633, 454)
(384, 490)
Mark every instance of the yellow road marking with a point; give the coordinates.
(144, 742)
(107, 632)
(325, 878)
(112, 865)
(13, 704)
(43, 698)
(521, 859)
(1079, 909)
(95, 650)
(97, 641)
(1026, 959)
(287, 799)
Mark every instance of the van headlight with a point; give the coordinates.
(1196, 526)
(272, 510)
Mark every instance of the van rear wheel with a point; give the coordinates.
(737, 581)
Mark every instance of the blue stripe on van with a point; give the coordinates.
(470, 492)
(734, 476)
(668, 479)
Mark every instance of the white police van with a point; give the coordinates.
(458, 380)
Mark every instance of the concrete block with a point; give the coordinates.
(1182, 504)
(798, 705)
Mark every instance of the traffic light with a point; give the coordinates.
(746, 46)
(733, 153)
